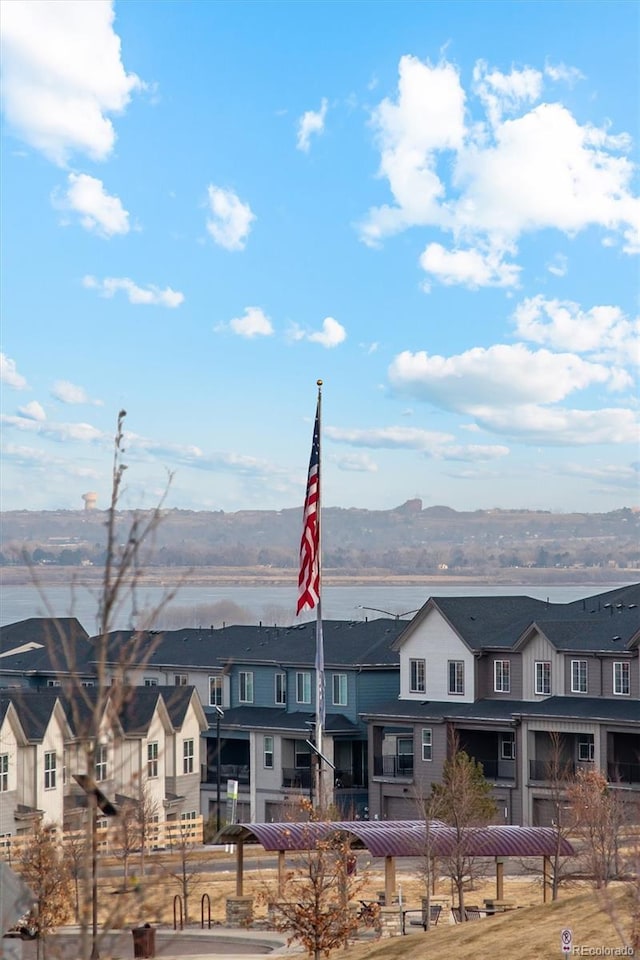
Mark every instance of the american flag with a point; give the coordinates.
(309, 577)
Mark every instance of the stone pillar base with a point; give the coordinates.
(390, 922)
(239, 911)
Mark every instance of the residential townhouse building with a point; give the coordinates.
(148, 748)
(522, 684)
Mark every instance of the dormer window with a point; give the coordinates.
(456, 676)
(543, 677)
(417, 674)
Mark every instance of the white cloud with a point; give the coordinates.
(231, 219)
(63, 76)
(331, 335)
(71, 393)
(33, 411)
(501, 375)
(525, 167)
(311, 122)
(553, 426)
(559, 266)
(561, 72)
(60, 432)
(253, 323)
(137, 295)
(472, 268)
(562, 324)
(389, 438)
(9, 373)
(355, 463)
(98, 210)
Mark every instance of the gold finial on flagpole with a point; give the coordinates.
(319, 382)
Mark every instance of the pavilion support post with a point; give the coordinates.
(281, 877)
(499, 878)
(239, 868)
(389, 880)
(546, 878)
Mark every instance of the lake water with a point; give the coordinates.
(196, 606)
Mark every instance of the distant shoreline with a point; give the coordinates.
(49, 575)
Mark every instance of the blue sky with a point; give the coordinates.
(431, 206)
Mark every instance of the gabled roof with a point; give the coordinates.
(33, 708)
(45, 645)
(363, 643)
(500, 623)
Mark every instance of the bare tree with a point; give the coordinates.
(43, 867)
(597, 815)
(182, 862)
(463, 800)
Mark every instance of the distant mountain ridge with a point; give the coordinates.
(408, 538)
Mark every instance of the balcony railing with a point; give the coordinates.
(346, 778)
(497, 769)
(623, 772)
(228, 771)
(398, 766)
(296, 777)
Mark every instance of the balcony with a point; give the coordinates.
(228, 771)
(298, 778)
(623, 772)
(497, 769)
(398, 767)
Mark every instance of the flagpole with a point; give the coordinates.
(320, 688)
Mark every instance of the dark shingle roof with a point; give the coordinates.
(34, 709)
(63, 644)
(585, 708)
(275, 718)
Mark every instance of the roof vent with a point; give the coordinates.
(613, 639)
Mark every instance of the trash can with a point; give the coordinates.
(144, 941)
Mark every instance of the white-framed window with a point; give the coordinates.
(151, 681)
(53, 683)
(50, 768)
(303, 686)
(417, 675)
(188, 753)
(215, 691)
(267, 752)
(280, 691)
(456, 676)
(152, 760)
(507, 746)
(180, 679)
(502, 676)
(339, 689)
(246, 686)
(578, 676)
(101, 762)
(189, 815)
(427, 743)
(543, 677)
(621, 677)
(87, 683)
(586, 747)
(4, 772)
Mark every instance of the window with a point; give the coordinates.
(267, 745)
(53, 683)
(151, 681)
(4, 772)
(586, 747)
(246, 687)
(50, 761)
(101, 762)
(215, 691)
(302, 754)
(427, 743)
(281, 688)
(507, 746)
(578, 676)
(417, 670)
(404, 759)
(189, 815)
(180, 679)
(502, 676)
(456, 676)
(187, 756)
(303, 687)
(543, 676)
(152, 759)
(339, 689)
(621, 677)
(87, 683)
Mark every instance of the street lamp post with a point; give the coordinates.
(219, 715)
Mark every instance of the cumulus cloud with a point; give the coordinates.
(230, 220)
(311, 123)
(32, 411)
(331, 334)
(563, 325)
(555, 426)
(500, 376)
(63, 76)
(525, 166)
(9, 373)
(253, 323)
(99, 211)
(472, 268)
(149, 295)
(71, 393)
(60, 432)
(438, 446)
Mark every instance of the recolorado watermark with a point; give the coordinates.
(579, 950)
